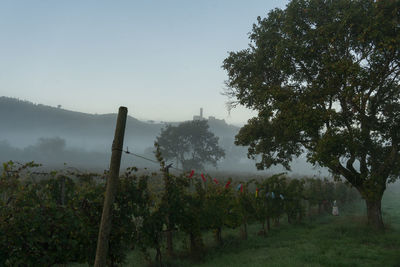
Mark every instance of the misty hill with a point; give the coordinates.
(53, 135)
(23, 122)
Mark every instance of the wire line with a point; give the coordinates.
(143, 157)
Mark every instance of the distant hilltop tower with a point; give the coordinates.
(210, 118)
(199, 118)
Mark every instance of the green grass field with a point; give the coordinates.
(319, 241)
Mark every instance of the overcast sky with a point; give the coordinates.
(161, 59)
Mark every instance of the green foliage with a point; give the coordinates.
(191, 144)
(192, 220)
(275, 188)
(246, 207)
(293, 204)
(324, 78)
(262, 212)
(37, 229)
(325, 241)
(219, 209)
(55, 220)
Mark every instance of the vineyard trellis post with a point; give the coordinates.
(62, 180)
(112, 183)
(170, 226)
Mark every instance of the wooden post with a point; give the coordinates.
(112, 183)
(170, 247)
(62, 201)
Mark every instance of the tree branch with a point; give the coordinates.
(338, 168)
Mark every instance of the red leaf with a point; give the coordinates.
(191, 174)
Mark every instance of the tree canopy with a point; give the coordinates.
(191, 144)
(324, 78)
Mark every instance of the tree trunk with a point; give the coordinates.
(300, 213)
(268, 224)
(170, 247)
(218, 236)
(158, 256)
(243, 232)
(374, 213)
(196, 245)
(193, 245)
(372, 194)
(263, 229)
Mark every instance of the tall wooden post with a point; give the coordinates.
(170, 247)
(62, 180)
(112, 183)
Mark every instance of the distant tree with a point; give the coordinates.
(191, 144)
(51, 145)
(324, 77)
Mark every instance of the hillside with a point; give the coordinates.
(88, 137)
(24, 122)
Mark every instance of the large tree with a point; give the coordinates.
(324, 78)
(191, 144)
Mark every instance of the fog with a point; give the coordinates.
(55, 151)
(87, 154)
(53, 136)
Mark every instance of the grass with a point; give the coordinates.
(318, 241)
(321, 241)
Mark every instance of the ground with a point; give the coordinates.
(344, 240)
(325, 240)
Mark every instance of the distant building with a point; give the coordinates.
(199, 118)
(215, 120)
(211, 119)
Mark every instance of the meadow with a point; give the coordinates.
(321, 240)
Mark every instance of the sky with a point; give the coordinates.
(160, 59)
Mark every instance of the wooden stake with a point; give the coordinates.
(170, 247)
(62, 201)
(112, 183)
